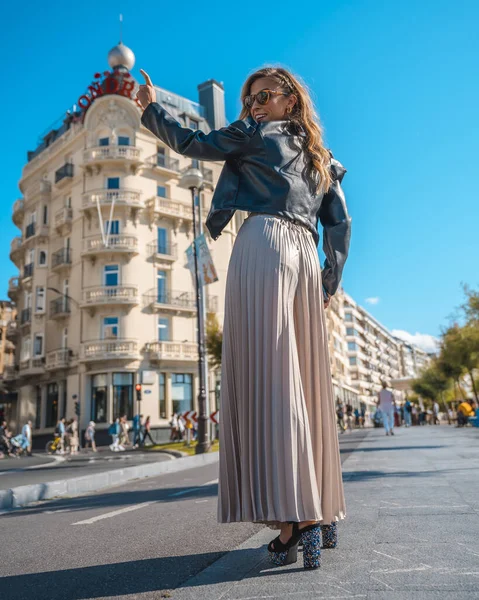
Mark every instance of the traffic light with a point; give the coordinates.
(138, 392)
(77, 409)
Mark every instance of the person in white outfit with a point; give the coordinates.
(387, 404)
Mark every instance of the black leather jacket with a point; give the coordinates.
(263, 172)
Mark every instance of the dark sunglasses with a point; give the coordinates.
(262, 97)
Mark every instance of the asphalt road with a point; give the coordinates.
(137, 541)
(42, 468)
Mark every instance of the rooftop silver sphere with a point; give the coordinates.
(121, 56)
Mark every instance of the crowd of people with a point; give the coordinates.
(120, 428)
(15, 445)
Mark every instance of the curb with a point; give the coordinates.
(27, 494)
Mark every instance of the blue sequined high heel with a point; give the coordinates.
(330, 535)
(311, 538)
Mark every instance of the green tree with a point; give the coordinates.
(432, 383)
(214, 340)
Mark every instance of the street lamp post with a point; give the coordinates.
(193, 180)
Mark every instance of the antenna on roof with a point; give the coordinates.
(121, 28)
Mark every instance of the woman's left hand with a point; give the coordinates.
(147, 93)
(327, 302)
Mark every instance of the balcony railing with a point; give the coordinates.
(13, 286)
(165, 249)
(179, 300)
(30, 230)
(28, 270)
(168, 350)
(18, 211)
(62, 257)
(63, 217)
(116, 243)
(123, 197)
(15, 245)
(164, 162)
(26, 316)
(12, 329)
(10, 372)
(113, 294)
(32, 366)
(58, 359)
(170, 208)
(59, 307)
(106, 153)
(110, 349)
(64, 172)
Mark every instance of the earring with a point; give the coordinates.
(289, 109)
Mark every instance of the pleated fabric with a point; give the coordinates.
(279, 453)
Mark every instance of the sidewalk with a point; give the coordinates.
(412, 530)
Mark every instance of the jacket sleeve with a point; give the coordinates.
(336, 222)
(219, 144)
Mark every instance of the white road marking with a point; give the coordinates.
(114, 513)
(213, 481)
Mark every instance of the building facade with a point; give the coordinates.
(104, 297)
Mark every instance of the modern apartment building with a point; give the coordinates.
(103, 293)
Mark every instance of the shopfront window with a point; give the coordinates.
(123, 395)
(99, 395)
(162, 396)
(38, 406)
(182, 392)
(52, 405)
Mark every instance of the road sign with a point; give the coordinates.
(215, 417)
(147, 391)
(188, 416)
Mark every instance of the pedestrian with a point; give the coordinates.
(137, 430)
(5, 444)
(407, 413)
(181, 428)
(464, 411)
(340, 416)
(60, 431)
(74, 436)
(147, 433)
(387, 406)
(414, 415)
(349, 417)
(114, 431)
(362, 414)
(174, 427)
(124, 428)
(279, 460)
(27, 438)
(435, 413)
(357, 418)
(90, 436)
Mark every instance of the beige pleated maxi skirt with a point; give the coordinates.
(279, 453)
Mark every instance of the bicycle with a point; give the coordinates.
(54, 446)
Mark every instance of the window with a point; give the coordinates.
(123, 140)
(40, 299)
(68, 201)
(352, 346)
(104, 141)
(114, 227)
(161, 191)
(161, 286)
(26, 350)
(162, 242)
(163, 329)
(110, 328)
(38, 406)
(193, 124)
(123, 395)
(160, 157)
(42, 258)
(65, 338)
(45, 215)
(38, 345)
(52, 405)
(113, 183)
(162, 396)
(352, 360)
(350, 331)
(99, 389)
(182, 392)
(348, 317)
(111, 275)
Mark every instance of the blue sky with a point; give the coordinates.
(395, 84)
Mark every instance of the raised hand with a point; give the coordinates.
(146, 94)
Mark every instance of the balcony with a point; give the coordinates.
(12, 330)
(184, 351)
(32, 366)
(33, 230)
(177, 303)
(112, 349)
(60, 308)
(61, 259)
(63, 220)
(27, 272)
(111, 295)
(159, 251)
(98, 156)
(124, 198)
(26, 317)
(177, 211)
(18, 212)
(160, 162)
(58, 359)
(117, 244)
(64, 174)
(16, 250)
(10, 373)
(13, 288)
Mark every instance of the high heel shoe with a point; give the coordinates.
(311, 538)
(285, 553)
(329, 534)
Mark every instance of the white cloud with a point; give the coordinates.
(426, 342)
(374, 300)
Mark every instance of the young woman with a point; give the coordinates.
(147, 433)
(279, 453)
